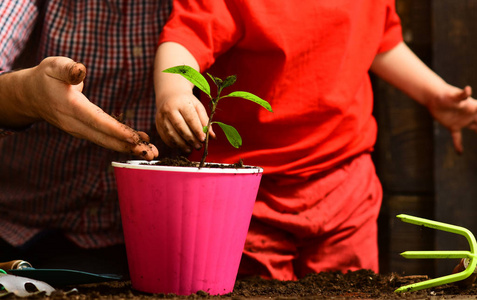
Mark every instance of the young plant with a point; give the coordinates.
(199, 81)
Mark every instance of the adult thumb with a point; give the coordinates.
(65, 69)
(76, 73)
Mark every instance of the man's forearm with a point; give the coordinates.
(13, 113)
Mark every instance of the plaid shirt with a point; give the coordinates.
(49, 179)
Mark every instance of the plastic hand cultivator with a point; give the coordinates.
(470, 255)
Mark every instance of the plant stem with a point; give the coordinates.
(206, 142)
(204, 155)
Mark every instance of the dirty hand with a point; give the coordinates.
(455, 110)
(180, 118)
(52, 91)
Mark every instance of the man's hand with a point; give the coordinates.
(52, 91)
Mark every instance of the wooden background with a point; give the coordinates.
(420, 171)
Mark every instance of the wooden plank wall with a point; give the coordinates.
(404, 155)
(420, 171)
(454, 50)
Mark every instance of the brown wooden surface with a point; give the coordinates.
(421, 173)
(404, 154)
(405, 139)
(406, 237)
(455, 38)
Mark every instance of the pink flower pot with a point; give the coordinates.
(185, 227)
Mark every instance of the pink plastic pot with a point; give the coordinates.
(185, 228)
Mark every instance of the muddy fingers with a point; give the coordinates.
(76, 73)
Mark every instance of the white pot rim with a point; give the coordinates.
(149, 165)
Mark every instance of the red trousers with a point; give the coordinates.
(327, 223)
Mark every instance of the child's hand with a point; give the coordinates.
(455, 110)
(180, 116)
(179, 120)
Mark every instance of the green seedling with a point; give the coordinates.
(200, 82)
(471, 255)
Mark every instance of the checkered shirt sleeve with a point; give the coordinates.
(16, 24)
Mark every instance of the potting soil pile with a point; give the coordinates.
(361, 284)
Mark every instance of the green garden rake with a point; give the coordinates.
(471, 255)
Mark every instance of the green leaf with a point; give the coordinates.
(216, 80)
(193, 76)
(229, 81)
(251, 97)
(232, 134)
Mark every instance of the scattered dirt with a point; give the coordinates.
(118, 117)
(361, 284)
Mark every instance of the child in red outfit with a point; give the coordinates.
(319, 198)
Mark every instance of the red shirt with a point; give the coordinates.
(309, 59)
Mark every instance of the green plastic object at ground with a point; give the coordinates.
(471, 255)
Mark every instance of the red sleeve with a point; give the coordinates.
(392, 31)
(17, 19)
(206, 28)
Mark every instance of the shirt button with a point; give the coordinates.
(137, 51)
(129, 114)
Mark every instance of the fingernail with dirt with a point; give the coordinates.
(77, 73)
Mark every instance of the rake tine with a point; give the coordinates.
(441, 254)
(436, 254)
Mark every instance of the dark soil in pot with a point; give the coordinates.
(181, 161)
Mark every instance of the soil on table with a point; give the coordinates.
(361, 284)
